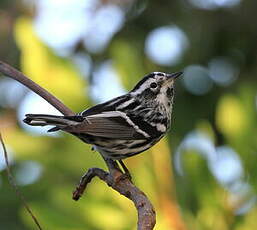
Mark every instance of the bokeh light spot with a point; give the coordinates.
(32, 103)
(106, 83)
(230, 117)
(61, 24)
(2, 158)
(247, 205)
(166, 45)
(28, 172)
(227, 167)
(213, 4)
(107, 21)
(196, 80)
(197, 141)
(83, 62)
(222, 71)
(11, 93)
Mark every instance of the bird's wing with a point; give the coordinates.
(110, 105)
(113, 124)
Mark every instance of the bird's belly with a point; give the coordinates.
(119, 149)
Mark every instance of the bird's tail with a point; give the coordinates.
(60, 122)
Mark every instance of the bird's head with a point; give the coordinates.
(156, 87)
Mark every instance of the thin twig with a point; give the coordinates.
(14, 185)
(86, 179)
(115, 178)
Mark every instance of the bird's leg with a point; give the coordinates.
(113, 164)
(127, 173)
(115, 169)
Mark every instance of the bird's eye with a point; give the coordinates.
(153, 85)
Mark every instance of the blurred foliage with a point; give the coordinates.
(49, 71)
(202, 176)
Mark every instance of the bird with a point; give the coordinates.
(123, 126)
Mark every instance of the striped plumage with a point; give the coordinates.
(123, 126)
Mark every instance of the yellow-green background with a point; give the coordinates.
(226, 116)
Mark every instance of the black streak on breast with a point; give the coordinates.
(170, 92)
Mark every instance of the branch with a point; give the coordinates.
(122, 184)
(13, 73)
(114, 178)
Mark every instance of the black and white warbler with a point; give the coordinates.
(124, 126)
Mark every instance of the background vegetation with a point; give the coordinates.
(202, 176)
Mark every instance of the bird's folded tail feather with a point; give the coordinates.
(59, 122)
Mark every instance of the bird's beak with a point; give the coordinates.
(174, 75)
